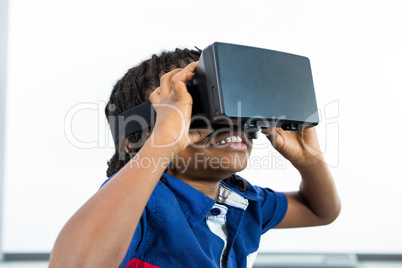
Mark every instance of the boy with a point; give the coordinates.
(195, 215)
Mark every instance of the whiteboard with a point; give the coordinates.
(65, 57)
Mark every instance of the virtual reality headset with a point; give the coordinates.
(240, 86)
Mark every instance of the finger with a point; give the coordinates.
(191, 67)
(165, 86)
(154, 98)
(180, 79)
(165, 82)
(179, 83)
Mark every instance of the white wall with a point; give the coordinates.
(65, 56)
(3, 66)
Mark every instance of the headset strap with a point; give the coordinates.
(135, 119)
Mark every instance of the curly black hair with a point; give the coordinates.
(134, 89)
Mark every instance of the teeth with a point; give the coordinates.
(231, 139)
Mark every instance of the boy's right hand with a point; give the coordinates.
(173, 105)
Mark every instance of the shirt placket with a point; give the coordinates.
(234, 219)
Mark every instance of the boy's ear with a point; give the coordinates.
(127, 145)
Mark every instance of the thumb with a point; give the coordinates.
(272, 135)
(198, 134)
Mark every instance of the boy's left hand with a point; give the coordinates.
(300, 147)
(317, 201)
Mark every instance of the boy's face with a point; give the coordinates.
(217, 156)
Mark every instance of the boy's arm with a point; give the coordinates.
(317, 201)
(99, 233)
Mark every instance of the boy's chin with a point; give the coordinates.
(229, 168)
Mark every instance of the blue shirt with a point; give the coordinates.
(182, 227)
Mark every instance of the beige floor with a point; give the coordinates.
(368, 264)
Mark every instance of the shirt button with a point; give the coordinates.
(215, 211)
